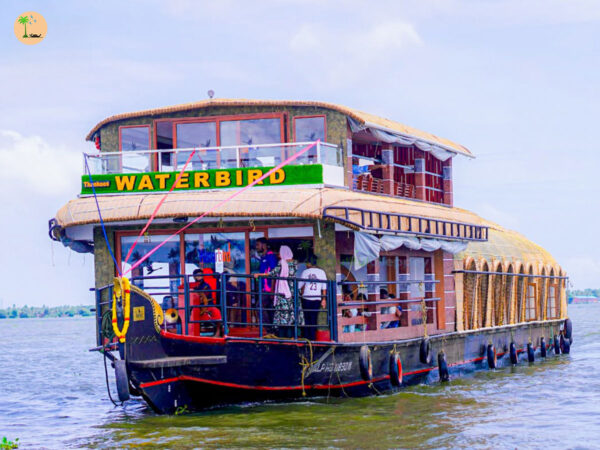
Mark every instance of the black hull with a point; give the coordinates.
(196, 373)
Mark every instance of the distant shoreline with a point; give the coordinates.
(43, 312)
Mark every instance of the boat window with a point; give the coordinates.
(551, 311)
(530, 302)
(164, 262)
(164, 140)
(201, 252)
(309, 129)
(417, 272)
(194, 135)
(135, 138)
(249, 133)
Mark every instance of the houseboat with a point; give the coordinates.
(250, 250)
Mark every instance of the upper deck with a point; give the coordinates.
(229, 143)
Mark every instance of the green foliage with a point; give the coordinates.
(5, 443)
(25, 312)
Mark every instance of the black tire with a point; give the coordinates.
(491, 356)
(530, 353)
(569, 330)
(543, 347)
(122, 381)
(365, 364)
(425, 352)
(556, 346)
(443, 367)
(565, 345)
(395, 369)
(514, 357)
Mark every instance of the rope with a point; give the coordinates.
(179, 175)
(100, 215)
(106, 377)
(231, 197)
(306, 364)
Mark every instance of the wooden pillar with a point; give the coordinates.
(420, 175)
(438, 268)
(373, 293)
(387, 158)
(348, 159)
(447, 182)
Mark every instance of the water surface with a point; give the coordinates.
(54, 396)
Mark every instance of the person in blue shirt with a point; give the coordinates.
(267, 262)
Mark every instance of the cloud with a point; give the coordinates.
(28, 163)
(343, 56)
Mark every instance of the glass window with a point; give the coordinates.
(200, 251)
(530, 302)
(135, 138)
(193, 135)
(164, 140)
(417, 273)
(551, 311)
(164, 262)
(251, 133)
(309, 129)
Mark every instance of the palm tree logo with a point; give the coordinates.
(35, 32)
(24, 20)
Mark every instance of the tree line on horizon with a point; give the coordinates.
(25, 312)
(584, 292)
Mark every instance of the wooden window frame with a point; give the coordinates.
(309, 117)
(556, 296)
(535, 300)
(196, 230)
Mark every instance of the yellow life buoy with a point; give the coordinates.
(122, 290)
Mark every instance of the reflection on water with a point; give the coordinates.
(54, 396)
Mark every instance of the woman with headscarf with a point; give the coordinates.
(285, 315)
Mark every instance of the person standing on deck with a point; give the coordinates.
(313, 295)
(285, 310)
(267, 262)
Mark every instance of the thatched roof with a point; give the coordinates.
(299, 202)
(362, 118)
(502, 245)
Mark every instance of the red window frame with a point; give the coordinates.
(136, 126)
(309, 117)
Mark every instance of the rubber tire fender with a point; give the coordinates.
(122, 380)
(365, 363)
(443, 367)
(395, 369)
(425, 352)
(543, 347)
(514, 356)
(568, 330)
(491, 356)
(530, 353)
(556, 346)
(565, 345)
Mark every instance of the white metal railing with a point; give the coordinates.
(226, 157)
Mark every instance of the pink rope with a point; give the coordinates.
(231, 197)
(158, 207)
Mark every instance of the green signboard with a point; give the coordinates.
(195, 180)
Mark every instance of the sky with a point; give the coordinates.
(514, 81)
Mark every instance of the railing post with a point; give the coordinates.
(296, 316)
(186, 303)
(319, 151)
(223, 292)
(260, 308)
(237, 156)
(332, 309)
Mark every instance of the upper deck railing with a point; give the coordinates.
(224, 157)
